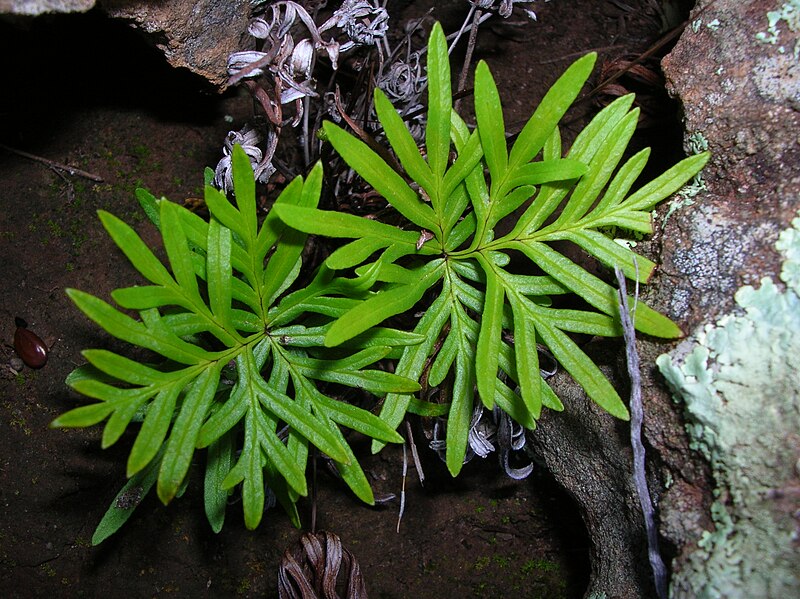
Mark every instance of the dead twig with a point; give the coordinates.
(660, 43)
(403, 490)
(665, 39)
(637, 418)
(55, 165)
(368, 139)
(473, 39)
(579, 53)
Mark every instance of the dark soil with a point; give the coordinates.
(90, 93)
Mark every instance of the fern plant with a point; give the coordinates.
(231, 368)
(241, 360)
(484, 314)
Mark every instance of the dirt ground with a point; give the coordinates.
(91, 93)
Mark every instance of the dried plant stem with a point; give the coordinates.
(637, 417)
(314, 456)
(453, 38)
(55, 165)
(306, 132)
(665, 39)
(473, 38)
(403, 489)
(415, 454)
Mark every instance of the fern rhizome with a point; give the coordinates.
(250, 365)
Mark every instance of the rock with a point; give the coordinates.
(39, 7)
(197, 35)
(194, 34)
(739, 386)
(738, 79)
(735, 71)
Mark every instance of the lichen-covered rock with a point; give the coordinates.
(34, 8)
(741, 389)
(195, 34)
(735, 71)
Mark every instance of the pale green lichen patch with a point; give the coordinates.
(777, 75)
(740, 384)
(789, 245)
(697, 144)
(789, 16)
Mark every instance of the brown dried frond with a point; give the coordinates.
(626, 74)
(319, 567)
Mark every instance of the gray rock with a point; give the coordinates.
(194, 34)
(39, 7)
(735, 71)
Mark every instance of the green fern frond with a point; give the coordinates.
(235, 368)
(244, 363)
(450, 249)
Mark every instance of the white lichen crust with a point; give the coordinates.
(740, 384)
